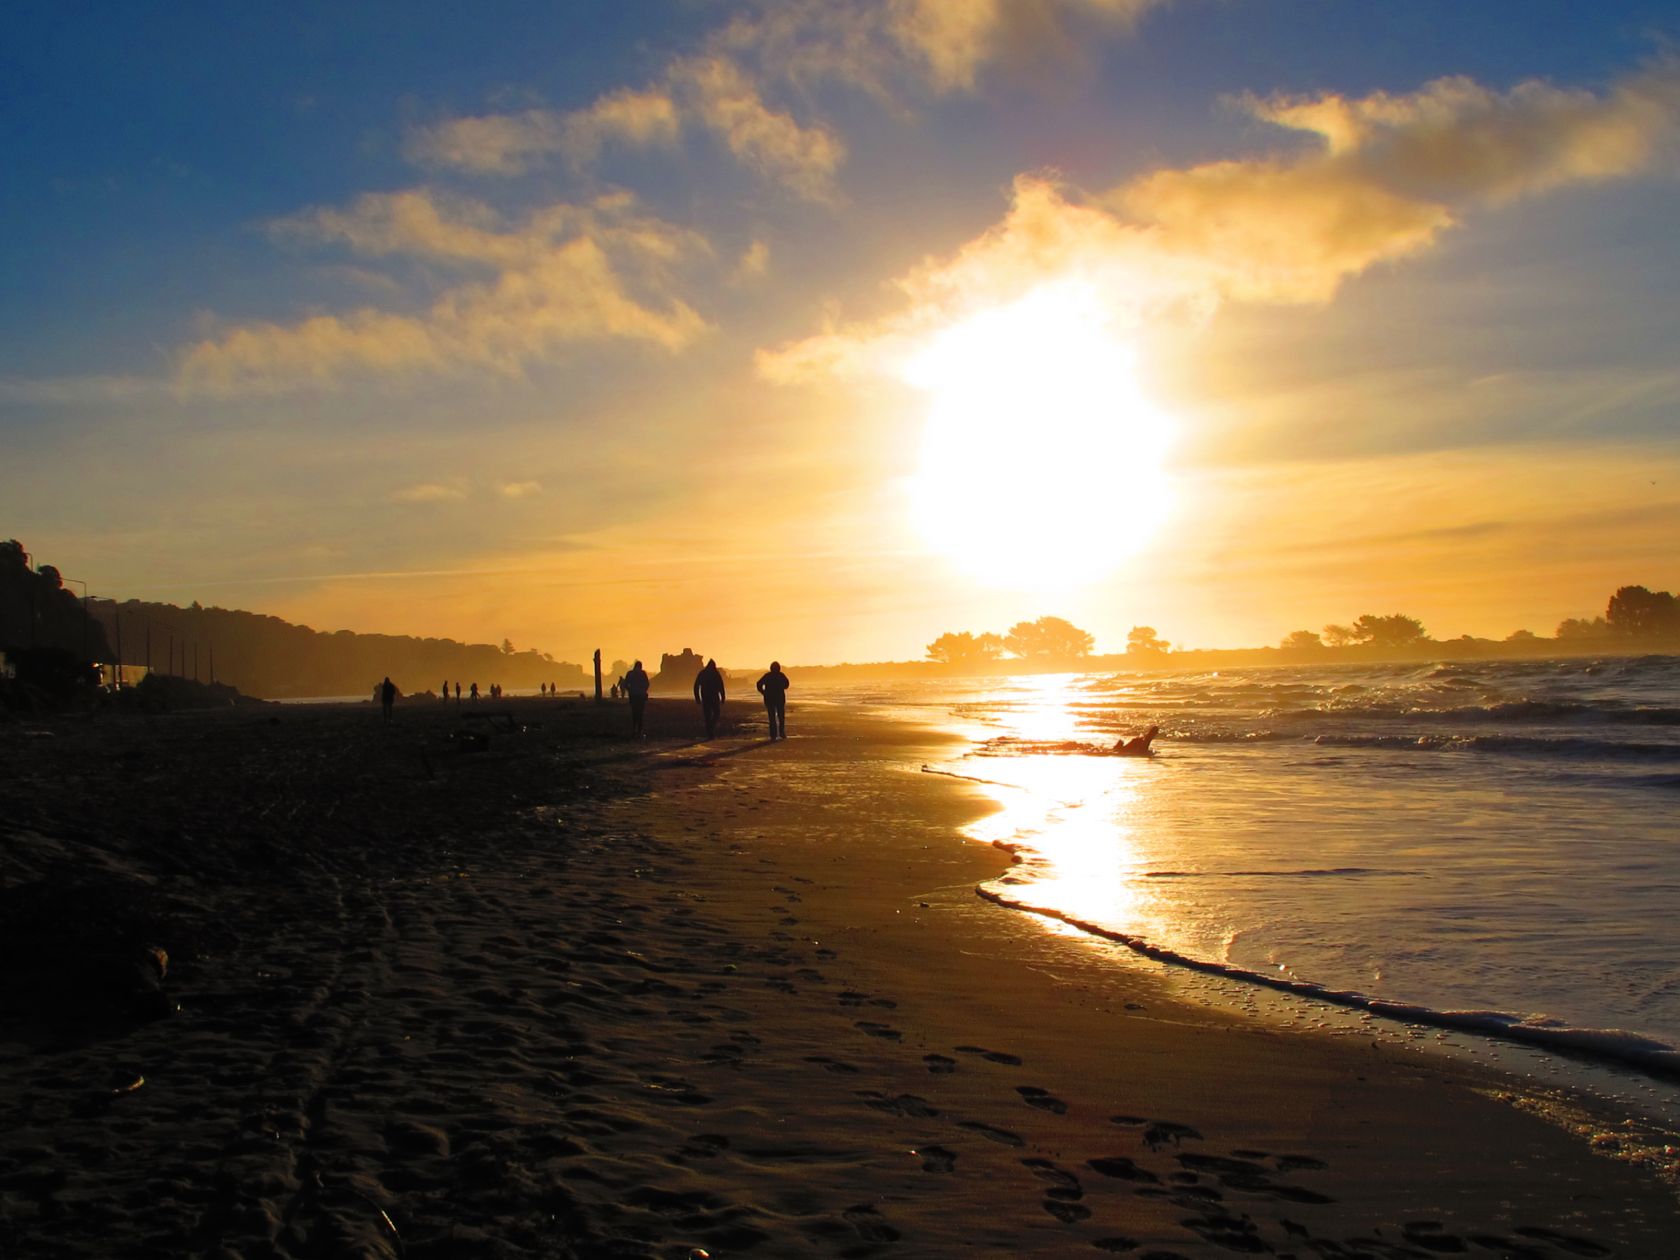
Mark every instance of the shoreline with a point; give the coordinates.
(571, 995)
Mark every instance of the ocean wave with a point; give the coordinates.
(1658, 1058)
(1262, 736)
(1509, 711)
(1562, 746)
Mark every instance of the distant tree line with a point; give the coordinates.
(1049, 639)
(266, 656)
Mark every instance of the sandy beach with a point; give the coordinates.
(287, 982)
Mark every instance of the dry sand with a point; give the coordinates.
(566, 994)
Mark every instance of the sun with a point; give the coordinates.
(1042, 462)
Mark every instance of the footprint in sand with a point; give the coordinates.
(1067, 1213)
(1245, 1175)
(1232, 1233)
(902, 1105)
(936, 1159)
(1064, 1185)
(831, 1065)
(1002, 1137)
(883, 1031)
(992, 1056)
(1118, 1242)
(939, 1064)
(1157, 1133)
(1121, 1168)
(869, 1223)
(1042, 1099)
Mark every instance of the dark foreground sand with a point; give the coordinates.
(565, 995)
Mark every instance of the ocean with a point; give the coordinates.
(1485, 848)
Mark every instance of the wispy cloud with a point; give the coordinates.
(564, 274)
(771, 142)
(882, 47)
(428, 492)
(519, 489)
(509, 144)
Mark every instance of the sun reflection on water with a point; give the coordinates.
(1072, 816)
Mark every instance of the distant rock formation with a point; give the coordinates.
(676, 673)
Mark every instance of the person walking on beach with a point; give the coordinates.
(446, 691)
(387, 696)
(773, 687)
(472, 693)
(457, 693)
(637, 684)
(708, 694)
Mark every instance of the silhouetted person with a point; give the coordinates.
(615, 691)
(387, 696)
(472, 693)
(708, 693)
(446, 691)
(773, 687)
(457, 693)
(636, 686)
(1138, 745)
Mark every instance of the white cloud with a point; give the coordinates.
(518, 489)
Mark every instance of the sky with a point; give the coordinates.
(817, 328)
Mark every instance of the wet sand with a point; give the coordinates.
(555, 993)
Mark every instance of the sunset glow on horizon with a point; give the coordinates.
(813, 330)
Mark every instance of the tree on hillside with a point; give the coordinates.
(1302, 641)
(1643, 614)
(1338, 636)
(1522, 636)
(963, 648)
(1048, 638)
(1395, 630)
(507, 647)
(1581, 628)
(1142, 640)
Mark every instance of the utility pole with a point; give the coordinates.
(116, 616)
(597, 675)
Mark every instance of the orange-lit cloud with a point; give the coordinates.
(728, 102)
(508, 144)
(1380, 179)
(428, 492)
(565, 274)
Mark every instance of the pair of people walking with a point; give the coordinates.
(709, 695)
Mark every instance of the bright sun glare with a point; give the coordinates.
(1042, 461)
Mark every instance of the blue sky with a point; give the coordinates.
(514, 307)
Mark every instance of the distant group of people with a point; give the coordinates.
(709, 694)
(493, 692)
